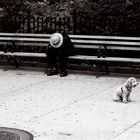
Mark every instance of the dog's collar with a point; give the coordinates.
(122, 89)
(128, 88)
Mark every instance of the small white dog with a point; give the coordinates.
(122, 93)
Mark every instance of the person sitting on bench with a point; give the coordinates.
(59, 48)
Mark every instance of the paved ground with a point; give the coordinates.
(77, 107)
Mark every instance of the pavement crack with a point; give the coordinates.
(73, 102)
(125, 130)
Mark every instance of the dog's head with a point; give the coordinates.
(131, 82)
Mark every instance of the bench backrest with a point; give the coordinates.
(80, 41)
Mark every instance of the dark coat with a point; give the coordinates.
(66, 49)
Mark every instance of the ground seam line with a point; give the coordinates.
(126, 129)
(59, 108)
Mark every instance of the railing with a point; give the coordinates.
(36, 24)
(101, 25)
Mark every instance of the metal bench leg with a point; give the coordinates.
(5, 65)
(16, 63)
(106, 68)
(11, 49)
(7, 61)
(46, 68)
(98, 69)
(102, 52)
(99, 66)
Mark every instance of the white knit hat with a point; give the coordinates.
(56, 40)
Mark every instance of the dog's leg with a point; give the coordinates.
(116, 98)
(125, 98)
(128, 98)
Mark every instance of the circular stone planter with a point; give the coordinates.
(14, 134)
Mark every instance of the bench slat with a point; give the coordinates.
(90, 42)
(137, 48)
(108, 43)
(77, 57)
(111, 59)
(24, 54)
(45, 44)
(25, 35)
(24, 39)
(92, 37)
(73, 36)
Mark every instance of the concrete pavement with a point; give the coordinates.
(76, 107)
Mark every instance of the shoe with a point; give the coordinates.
(51, 72)
(63, 73)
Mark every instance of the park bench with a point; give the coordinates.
(101, 50)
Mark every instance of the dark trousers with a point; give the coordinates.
(55, 58)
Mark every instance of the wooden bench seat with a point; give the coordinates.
(89, 48)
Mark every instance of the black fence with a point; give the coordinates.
(102, 25)
(35, 24)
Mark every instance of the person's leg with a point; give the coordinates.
(62, 59)
(51, 63)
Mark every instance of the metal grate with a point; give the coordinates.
(14, 134)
